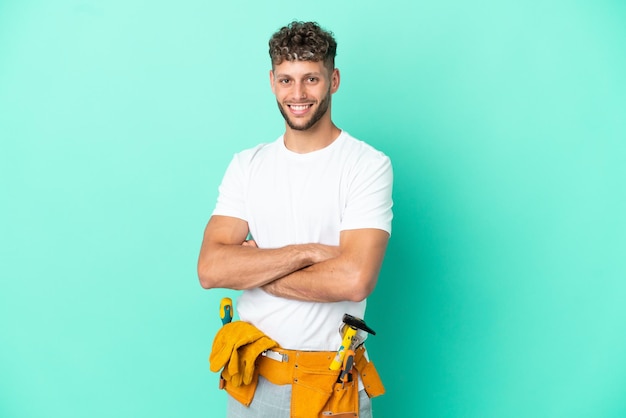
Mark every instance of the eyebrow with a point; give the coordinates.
(312, 74)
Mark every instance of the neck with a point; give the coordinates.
(319, 136)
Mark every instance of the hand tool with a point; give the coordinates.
(226, 315)
(346, 372)
(354, 331)
(226, 310)
(348, 334)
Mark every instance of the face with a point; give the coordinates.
(303, 90)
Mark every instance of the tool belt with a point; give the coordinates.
(316, 392)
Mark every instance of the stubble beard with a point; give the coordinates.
(319, 113)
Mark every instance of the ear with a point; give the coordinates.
(335, 78)
(272, 81)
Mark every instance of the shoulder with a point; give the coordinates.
(363, 153)
(260, 151)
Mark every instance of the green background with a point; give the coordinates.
(503, 290)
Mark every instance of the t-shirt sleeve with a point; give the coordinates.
(369, 203)
(231, 200)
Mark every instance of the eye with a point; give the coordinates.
(284, 80)
(312, 80)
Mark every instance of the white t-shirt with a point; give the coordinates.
(290, 198)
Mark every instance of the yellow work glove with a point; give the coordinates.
(228, 339)
(235, 348)
(247, 358)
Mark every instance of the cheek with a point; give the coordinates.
(280, 96)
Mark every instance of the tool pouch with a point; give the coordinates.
(242, 393)
(371, 379)
(315, 390)
(344, 401)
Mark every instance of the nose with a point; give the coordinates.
(299, 91)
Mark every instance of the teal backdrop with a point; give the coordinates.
(503, 290)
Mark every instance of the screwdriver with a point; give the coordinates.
(226, 310)
(226, 315)
(346, 373)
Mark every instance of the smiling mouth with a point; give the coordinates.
(299, 107)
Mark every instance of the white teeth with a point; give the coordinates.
(299, 107)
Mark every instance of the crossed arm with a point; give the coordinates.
(309, 272)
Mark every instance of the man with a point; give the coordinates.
(301, 224)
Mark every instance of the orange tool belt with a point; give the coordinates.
(315, 390)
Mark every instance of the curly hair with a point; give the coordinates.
(303, 41)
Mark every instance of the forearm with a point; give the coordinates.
(227, 260)
(240, 267)
(351, 276)
(322, 282)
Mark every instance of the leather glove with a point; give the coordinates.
(236, 348)
(248, 355)
(228, 339)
